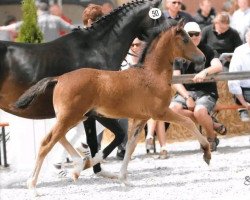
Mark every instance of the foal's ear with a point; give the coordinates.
(180, 24)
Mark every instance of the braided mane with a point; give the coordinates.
(125, 8)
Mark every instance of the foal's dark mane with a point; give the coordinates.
(154, 33)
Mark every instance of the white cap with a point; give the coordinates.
(192, 27)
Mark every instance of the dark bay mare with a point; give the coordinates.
(102, 46)
(126, 89)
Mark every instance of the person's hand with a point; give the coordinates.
(190, 103)
(200, 76)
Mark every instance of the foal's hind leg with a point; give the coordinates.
(171, 116)
(136, 128)
(57, 132)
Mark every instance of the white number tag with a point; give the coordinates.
(154, 13)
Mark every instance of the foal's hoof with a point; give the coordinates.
(206, 159)
(107, 174)
(124, 181)
(75, 176)
(32, 188)
(207, 154)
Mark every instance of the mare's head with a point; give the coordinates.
(145, 23)
(170, 41)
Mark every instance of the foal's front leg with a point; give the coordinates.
(77, 160)
(136, 128)
(171, 116)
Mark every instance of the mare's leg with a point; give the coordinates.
(186, 122)
(136, 128)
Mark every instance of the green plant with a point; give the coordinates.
(29, 30)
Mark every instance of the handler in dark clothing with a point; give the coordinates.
(220, 36)
(198, 100)
(205, 14)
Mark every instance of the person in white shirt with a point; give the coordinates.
(240, 19)
(50, 25)
(241, 88)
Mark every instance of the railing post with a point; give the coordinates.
(5, 163)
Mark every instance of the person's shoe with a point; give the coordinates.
(84, 151)
(120, 154)
(163, 154)
(218, 127)
(59, 171)
(244, 116)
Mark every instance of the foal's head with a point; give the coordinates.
(182, 46)
(170, 41)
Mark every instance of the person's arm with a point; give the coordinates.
(234, 85)
(183, 92)
(65, 26)
(11, 27)
(215, 67)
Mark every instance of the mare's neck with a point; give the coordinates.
(116, 36)
(160, 59)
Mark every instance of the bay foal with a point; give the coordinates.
(139, 93)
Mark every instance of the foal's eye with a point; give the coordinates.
(185, 40)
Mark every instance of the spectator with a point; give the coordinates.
(240, 19)
(241, 88)
(9, 35)
(91, 14)
(157, 127)
(205, 14)
(107, 8)
(50, 25)
(173, 11)
(198, 100)
(221, 37)
(56, 10)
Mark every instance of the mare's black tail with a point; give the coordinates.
(27, 97)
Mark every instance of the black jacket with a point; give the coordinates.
(202, 20)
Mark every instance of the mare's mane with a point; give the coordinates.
(154, 33)
(125, 8)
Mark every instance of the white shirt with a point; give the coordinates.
(240, 62)
(240, 21)
(50, 25)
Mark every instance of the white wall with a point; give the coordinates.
(25, 138)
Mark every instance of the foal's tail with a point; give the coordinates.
(27, 97)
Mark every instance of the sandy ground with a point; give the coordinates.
(184, 176)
